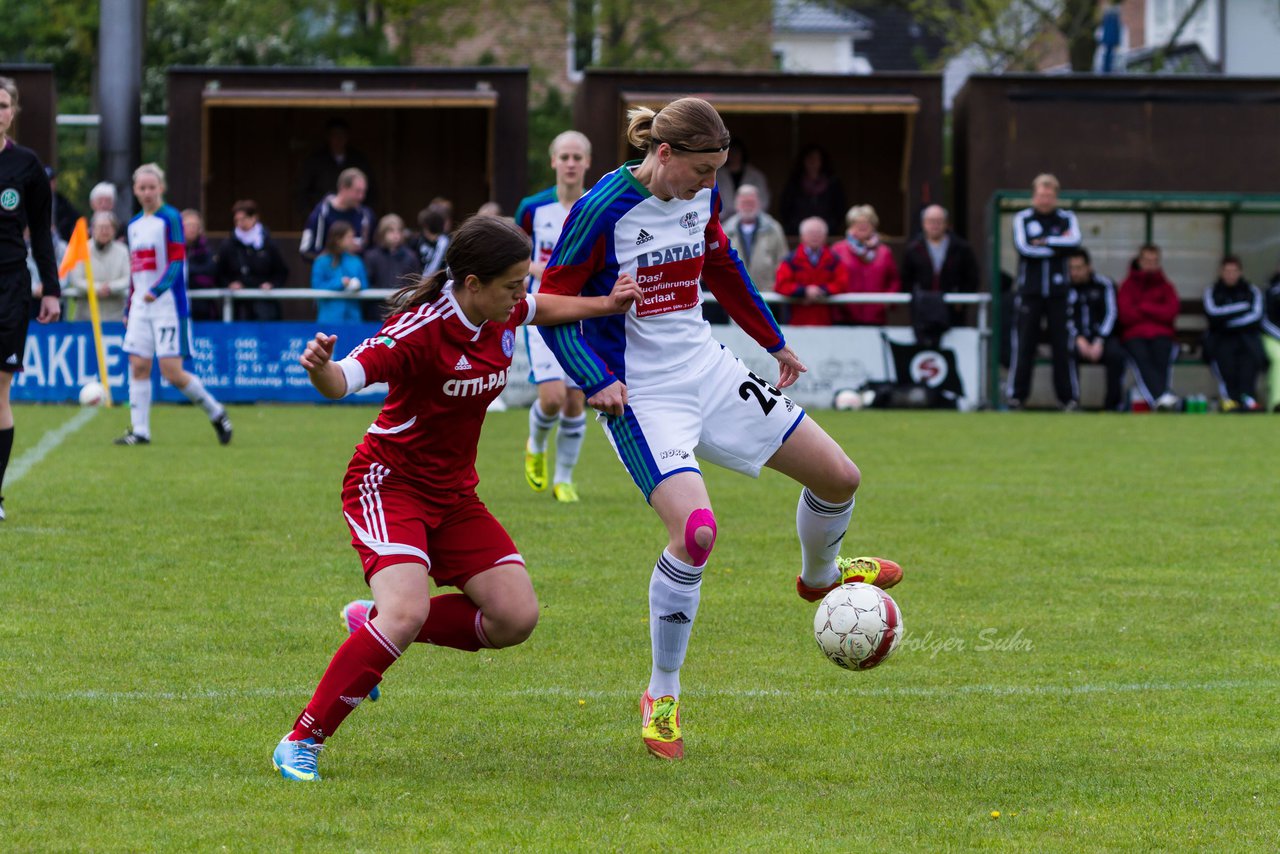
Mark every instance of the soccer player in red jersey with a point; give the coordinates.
(409, 493)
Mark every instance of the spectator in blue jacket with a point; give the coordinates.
(339, 269)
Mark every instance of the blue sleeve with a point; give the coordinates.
(325, 275)
(175, 245)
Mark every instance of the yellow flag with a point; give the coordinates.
(77, 248)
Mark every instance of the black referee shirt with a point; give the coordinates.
(25, 201)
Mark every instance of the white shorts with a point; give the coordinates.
(724, 414)
(543, 366)
(157, 334)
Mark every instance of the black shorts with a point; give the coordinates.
(15, 315)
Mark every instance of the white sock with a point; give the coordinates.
(821, 527)
(569, 446)
(195, 392)
(540, 425)
(674, 591)
(140, 406)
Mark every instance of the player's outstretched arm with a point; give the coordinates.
(556, 309)
(325, 373)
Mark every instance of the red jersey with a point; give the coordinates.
(443, 373)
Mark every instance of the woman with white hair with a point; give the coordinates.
(103, 197)
(109, 259)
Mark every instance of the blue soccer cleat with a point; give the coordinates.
(354, 616)
(296, 760)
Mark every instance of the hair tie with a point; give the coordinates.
(448, 272)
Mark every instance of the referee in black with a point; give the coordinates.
(25, 202)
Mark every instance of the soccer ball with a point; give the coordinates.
(857, 626)
(92, 394)
(846, 399)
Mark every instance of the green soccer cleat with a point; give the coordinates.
(535, 470)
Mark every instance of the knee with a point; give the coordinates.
(513, 624)
(700, 535)
(840, 482)
(552, 401)
(403, 618)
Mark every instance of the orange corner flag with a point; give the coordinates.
(77, 248)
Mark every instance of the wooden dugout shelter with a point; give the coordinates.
(237, 133)
(35, 125)
(883, 131)
(1113, 133)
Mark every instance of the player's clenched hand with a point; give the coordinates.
(319, 351)
(611, 400)
(625, 291)
(789, 367)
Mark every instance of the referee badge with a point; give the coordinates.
(508, 342)
(9, 199)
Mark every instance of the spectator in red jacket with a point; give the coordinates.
(869, 265)
(1148, 305)
(812, 273)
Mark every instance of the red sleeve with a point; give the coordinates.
(568, 279)
(394, 353)
(893, 282)
(1168, 305)
(727, 278)
(840, 281)
(1127, 304)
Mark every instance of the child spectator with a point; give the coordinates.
(251, 260)
(110, 261)
(339, 269)
(868, 264)
(390, 264)
(1148, 306)
(813, 273)
(1231, 345)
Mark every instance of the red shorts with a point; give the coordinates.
(393, 524)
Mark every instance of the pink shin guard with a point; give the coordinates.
(701, 518)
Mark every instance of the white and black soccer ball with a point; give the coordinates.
(857, 626)
(92, 394)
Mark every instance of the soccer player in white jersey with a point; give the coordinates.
(409, 493)
(542, 217)
(674, 396)
(157, 312)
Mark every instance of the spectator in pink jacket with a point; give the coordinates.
(1148, 305)
(868, 264)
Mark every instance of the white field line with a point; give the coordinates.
(552, 691)
(48, 442)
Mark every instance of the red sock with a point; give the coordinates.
(356, 668)
(454, 621)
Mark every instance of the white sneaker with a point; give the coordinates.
(1167, 402)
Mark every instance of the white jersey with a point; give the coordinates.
(542, 217)
(157, 257)
(670, 248)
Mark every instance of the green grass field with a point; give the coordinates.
(1091, 650)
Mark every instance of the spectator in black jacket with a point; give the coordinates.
(939, 260)
(322, 167)
(1093, 316)
(346, 205)
(200, 266)
(1232, 346)
(1042, 234)
(813, 190)
(250, 260)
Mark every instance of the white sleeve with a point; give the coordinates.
(354, 372)
(533, 309)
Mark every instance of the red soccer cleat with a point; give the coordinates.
(878, 571)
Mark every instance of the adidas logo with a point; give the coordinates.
(351, 701)
(463, 364)
(677, 617)
(12, 360)
(644, 238)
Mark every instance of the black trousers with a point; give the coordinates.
(1236, 359)
(1030, 313)
(1115, 360)
(1153, 363)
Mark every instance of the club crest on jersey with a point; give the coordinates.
(476, 385)
(9, 199)
(690, 221)
(508, 342)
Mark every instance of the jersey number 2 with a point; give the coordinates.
(757, 389)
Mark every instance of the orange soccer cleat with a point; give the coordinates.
(878, 571)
